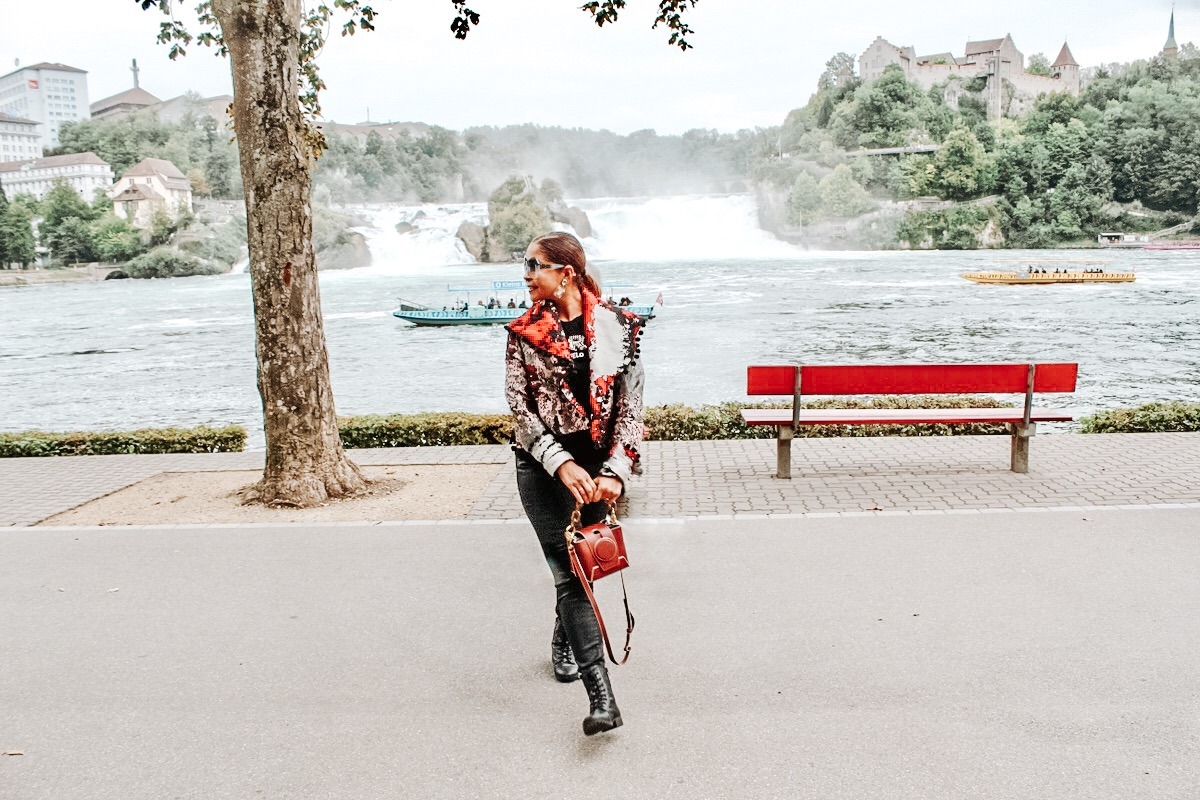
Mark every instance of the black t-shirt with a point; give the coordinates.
(580, 445)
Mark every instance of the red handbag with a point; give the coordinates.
(596, 552)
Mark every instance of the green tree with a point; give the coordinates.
(62, 206)
(16, 233)
(70, 242)
(804, 205)
(962, 169)
(841, 63)
(5, 261)
(272, 45)
(842, 196)
(916, 176)
(552, 191)
(62, 203)
(1038, 64)
(115, 240)
(161, 227)
(516, 214)
(197, 141)
(884, 111)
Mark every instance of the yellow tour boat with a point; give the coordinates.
(1038, 272)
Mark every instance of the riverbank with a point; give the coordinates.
(91, 273)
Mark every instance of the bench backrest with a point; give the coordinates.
(910, 379)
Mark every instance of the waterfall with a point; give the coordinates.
(691, 228)
(698, 227)
(430, 239)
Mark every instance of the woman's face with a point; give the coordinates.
(542, 282)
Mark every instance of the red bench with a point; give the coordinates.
(907, 379)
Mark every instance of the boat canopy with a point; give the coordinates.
(497, 286)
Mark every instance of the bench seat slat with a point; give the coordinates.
(898, 416)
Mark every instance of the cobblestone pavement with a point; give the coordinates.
(722, 478)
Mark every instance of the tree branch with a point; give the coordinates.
(670, 13)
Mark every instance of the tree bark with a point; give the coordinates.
(306, 464)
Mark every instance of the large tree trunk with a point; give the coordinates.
(306, 464)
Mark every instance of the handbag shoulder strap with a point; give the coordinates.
(577, 568)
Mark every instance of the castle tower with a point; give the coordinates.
(1066, 69)
(1170, 49)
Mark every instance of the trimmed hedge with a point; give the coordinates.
(724, 421)
(202, 439)
(418, 430)
(666, 423)
(1175, 417)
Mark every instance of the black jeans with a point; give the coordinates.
(548, 505)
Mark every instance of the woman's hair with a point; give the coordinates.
(565, 249)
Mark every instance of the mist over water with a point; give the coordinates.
(123, 354)
(699, 227)
(680, 229)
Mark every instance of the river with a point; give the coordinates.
(124, 354)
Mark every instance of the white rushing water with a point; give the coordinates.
(695, 228)
(690, 228)
(431, 243)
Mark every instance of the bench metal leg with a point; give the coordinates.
(1020, 445)
(783, 455)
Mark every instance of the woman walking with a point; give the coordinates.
(574, 383)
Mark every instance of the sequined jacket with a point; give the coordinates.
(536, 386)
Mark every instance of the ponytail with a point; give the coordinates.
(563, 248)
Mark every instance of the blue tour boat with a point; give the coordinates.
(477, 314)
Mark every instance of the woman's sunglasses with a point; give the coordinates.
(532, 265)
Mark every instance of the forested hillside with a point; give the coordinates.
(442, 165)
(1126, 153)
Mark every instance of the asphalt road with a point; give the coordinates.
(1049, 655)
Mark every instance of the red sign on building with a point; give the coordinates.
(33, 84)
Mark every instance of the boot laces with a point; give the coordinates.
(597, 689)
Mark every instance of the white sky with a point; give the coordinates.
(544, 61)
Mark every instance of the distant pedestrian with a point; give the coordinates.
(573, 449)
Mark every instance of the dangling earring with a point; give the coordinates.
(562, 289)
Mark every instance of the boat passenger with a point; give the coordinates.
(512, 303)
(577, 448)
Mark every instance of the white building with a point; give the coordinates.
(83, 172)
(151, 186)
(47, 93)
(20, 139)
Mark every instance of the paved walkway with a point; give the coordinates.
(997, 657)
(723, 478)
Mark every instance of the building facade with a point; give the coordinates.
(20, 139)
(50, 94)
(151, 186)
(83, 172)
(126, 102)
(1010, 89)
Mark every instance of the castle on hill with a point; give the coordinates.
(1010, 90)
(997, 60)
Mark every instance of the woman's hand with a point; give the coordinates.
(608, 489)
(578, 482)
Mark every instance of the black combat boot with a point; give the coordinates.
(605, 715)
(565, 668)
